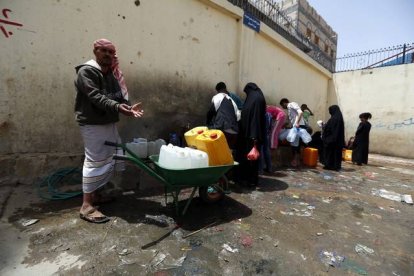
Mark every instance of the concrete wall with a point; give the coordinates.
(388, 94)
(172, 54)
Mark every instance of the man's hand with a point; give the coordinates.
(134, 110)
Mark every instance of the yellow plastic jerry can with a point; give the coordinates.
(310, 157)
(214, 143)
(191, 135)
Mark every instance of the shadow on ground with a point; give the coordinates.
(269, 184)
(198, 215)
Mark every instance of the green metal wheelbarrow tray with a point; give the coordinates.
(211, 181)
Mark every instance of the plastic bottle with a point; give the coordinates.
(326, 176)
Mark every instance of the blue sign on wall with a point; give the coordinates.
(250, 21)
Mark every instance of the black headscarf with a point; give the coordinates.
(334, 130)
(252, 123)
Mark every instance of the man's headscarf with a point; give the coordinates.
(105, 43)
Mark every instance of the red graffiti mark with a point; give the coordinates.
(7, 22)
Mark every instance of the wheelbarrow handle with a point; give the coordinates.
(120, 157)
(108, 143)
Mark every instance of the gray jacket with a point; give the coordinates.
(98, 95)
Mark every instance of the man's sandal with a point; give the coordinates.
(94, 216)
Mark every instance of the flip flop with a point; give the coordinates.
(94, 216)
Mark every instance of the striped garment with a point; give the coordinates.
(99, 166)
(276, 128)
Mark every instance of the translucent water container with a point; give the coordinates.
(214, 143)
(182, 158)
(310, 157)
(172, 157)
(165, 155)
(199, 159)
(151, 147)
(191, 135)
(139, 147)
(158, 144)
(132, 147)
(140, 140)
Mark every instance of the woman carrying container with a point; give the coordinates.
(251, 134)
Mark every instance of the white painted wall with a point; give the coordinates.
(172, 54)
(388, 94)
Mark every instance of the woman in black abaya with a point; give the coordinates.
(360, 147)
(251, 131)
(333, 139)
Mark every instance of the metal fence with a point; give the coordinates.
(395, 55)
(268, 12)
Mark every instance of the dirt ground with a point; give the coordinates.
(296, 222)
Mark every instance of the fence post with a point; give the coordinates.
(403, 56)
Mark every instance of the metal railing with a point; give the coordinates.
(394, 55)
(268, 12)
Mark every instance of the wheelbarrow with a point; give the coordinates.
(211, 181)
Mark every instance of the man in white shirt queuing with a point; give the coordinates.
(298, 129)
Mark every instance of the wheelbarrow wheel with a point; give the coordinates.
(214, 193)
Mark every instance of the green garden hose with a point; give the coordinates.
(50, 186)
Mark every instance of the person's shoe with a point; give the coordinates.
(92, 215)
